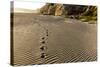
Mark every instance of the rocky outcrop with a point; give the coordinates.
(59, 10)
(52, 9)
(67, 10)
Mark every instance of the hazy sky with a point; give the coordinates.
(28, 5)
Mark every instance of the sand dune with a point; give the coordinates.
(63, 41)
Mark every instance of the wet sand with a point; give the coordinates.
(39, 39)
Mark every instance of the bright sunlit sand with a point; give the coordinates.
(27, 7)
(21, 10)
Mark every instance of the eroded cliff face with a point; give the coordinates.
(52, 9)
(67, 10)
(59, 9)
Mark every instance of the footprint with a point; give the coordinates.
(43, 38)
(43, 55)
(46, 32)
(43, 42)
(43, 48)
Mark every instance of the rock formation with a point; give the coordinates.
(67, 10)
(52, 9)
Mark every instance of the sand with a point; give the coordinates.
(39, 39)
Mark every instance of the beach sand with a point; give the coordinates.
(64, 42)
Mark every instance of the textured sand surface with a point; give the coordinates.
(42, 39)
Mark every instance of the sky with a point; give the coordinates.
(28, 5)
